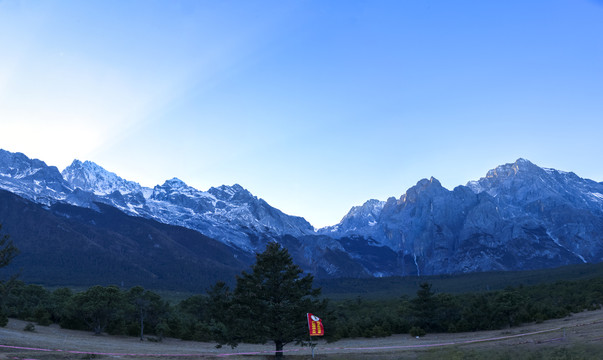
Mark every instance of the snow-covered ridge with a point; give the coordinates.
(230, 214)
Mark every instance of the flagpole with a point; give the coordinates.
(314, 328)
(310, 334)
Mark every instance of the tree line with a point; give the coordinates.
(270, 301)
(210, 317)
(430, 312)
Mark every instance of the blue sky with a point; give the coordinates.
(314, 106)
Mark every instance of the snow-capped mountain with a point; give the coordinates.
(230, 214)
(32, 179)
(519, 216)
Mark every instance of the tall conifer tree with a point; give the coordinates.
(8, 251)
(271, 302)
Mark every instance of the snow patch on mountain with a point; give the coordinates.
(360, 219)
(596, 196)
(556, 241)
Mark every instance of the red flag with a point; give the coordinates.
(315, 325)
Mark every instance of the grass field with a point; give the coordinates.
(579, 336)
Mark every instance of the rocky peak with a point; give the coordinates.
(19, 166)
(521, 167)
(429, 186)
(177, 191)
(366, 213)
(235, 193)
(174, 183)
(91, 177)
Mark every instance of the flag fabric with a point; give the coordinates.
(315, 325)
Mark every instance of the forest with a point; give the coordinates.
(203, 317)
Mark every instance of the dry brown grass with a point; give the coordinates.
(577, 337)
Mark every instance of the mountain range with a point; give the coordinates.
(86, 225)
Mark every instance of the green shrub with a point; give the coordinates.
(417, 331)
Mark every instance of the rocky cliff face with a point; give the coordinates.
(519, 216)
(567, 208)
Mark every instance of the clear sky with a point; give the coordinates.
(314, 106)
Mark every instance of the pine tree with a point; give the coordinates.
(219, 302)
(271, 302)
(8, 251)
(423, 307)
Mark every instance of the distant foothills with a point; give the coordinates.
(86, 226)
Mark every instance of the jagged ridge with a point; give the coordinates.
(519, 216)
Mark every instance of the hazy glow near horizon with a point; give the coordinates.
(313, 106)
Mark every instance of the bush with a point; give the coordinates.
(42, 317)
(3, 319)
(417, 331)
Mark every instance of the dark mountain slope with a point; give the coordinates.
(68, 245)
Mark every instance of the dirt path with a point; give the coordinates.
(52, 342)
